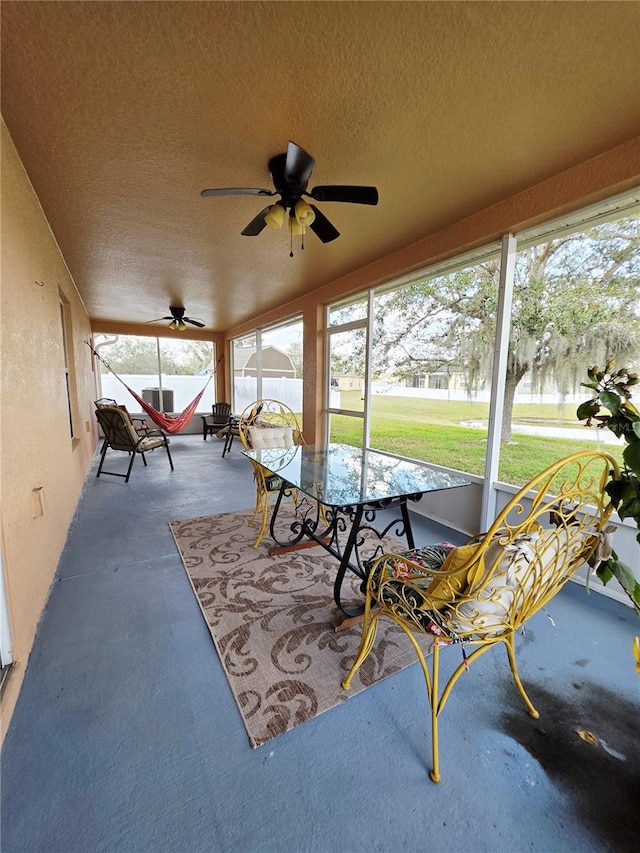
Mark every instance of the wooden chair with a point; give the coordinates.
(267, 423)
(120, 435)
(212, 424)
(480, 594)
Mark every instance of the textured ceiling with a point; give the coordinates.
(123, 112)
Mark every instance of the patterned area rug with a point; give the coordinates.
(272, 621)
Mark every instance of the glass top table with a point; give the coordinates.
(347, 487)
(341, 475)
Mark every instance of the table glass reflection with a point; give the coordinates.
(341, 475)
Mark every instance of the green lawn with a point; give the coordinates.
(430, 430)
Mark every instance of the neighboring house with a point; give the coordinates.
(275, 363)
(346, 383)
(452, 379)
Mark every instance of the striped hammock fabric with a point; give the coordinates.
(170, 425)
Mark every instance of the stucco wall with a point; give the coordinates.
(37, 451)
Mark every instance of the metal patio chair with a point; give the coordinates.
(120, 435)
(478, 595)
(267, 423)
(139, 424)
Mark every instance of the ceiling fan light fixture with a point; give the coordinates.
(304, 213)
(177, 326)
(296, 228)
(275, 217)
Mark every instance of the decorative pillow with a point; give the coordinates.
(487, 602)
(389, 587)
(270, 437)
(273, 483)
(458, 571)
(530, 559)
(412, 605)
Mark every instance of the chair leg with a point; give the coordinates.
(369, 631)
(433, 701)
(166, 447)
(133, 459)
(264, 517)
(228, 441)
(511, 652)
(258, 504)
(431, 683)
(102, 455)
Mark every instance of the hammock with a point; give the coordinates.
(169, 425)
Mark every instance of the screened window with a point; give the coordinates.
(576, 302)
(268, 364)
(166, 373)
(431, 363)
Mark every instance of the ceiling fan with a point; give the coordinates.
(290, 173)
(178, 319)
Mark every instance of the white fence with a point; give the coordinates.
(183, 389)
(287, 391)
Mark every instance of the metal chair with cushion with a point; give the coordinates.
(267, 423)
(478, 595)
(212, 424)
(139, 424)
(120, 435)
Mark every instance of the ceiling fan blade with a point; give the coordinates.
(257, 224)
(159, 319)
(322, 228)
(298, 166)
(235, 191)
(198, 323)
(351, 194)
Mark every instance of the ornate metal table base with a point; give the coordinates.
(343, 531)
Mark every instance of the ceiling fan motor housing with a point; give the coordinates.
(289, 190)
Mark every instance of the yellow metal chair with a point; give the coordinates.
(484, 591)
(267, 424)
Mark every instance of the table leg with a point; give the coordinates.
(408, 532)
(354, 617)
(345, 562)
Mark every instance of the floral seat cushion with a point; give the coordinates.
(403, 589)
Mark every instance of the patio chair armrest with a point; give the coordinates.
(158, 433)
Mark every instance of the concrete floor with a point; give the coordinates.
(126, 736)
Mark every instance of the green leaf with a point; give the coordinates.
(604, 573)
(611, 401)
(619, 425)
(631, 455)
(626, 579)
(588, 409)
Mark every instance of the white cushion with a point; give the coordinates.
(532, 558)
(271, 437)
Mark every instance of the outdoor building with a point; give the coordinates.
(275, 363)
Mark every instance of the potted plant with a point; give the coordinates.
(611, 391)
